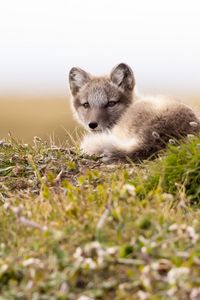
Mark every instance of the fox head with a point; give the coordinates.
(99, 102)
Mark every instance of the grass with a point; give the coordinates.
(75, 228)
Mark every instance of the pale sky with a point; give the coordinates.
(40, 40)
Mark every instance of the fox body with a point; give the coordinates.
(120, 122)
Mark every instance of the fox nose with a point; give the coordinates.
(93, 125)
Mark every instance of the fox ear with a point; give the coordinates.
(122, 76)
(77, 79)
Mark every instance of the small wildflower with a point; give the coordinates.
(78, 253)
(125, 286)
(85, 298)
(195, 293)
(112, 250)
(32, 261)
(4, 268)
(143, 295)
(173, 227)
(168, 197)
(193, 124)
(192, 234)
(37, 139)
(6, 205)
(177, 275)
(93, 255)
(172, 142)
(89, 263)
(17, 210)
(25, 145)
(92, 247)
(103, 218)
(28, 223)
(144, 250)
(145, 277)
(155, 135)
(129, 188)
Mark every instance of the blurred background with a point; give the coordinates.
(41, 40)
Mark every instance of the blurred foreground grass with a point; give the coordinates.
(75, 228)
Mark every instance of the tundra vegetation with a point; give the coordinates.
(73, 227)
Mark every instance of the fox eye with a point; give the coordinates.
(111, 103)
(86, 105)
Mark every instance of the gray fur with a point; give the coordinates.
(122, 76)
(112, 103)
(97, 93)
(77, 79)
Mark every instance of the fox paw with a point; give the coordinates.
(89, 147)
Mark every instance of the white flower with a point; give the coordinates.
(32, 261)
(6, 205)
(173, 227)
(172, 141)
(112, 250)
(192, 234)
(78, 253)
(90, 263)
(177, 275)
(193, 124)
(129, 188)
(155, 135)
(143, 295)
(92, 246)
(168, 197)
(195, 293)
(4, 268)
(85, 298)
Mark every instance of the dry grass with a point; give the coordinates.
(26, 118)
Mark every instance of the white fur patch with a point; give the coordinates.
(158, 102)
(107, 143)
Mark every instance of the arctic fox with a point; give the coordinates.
(120, 122)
